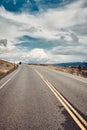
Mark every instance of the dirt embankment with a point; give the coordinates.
(76, 70)
(6, 67)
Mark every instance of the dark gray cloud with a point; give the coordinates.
(3, 42)
(80, 29)
(74, 38)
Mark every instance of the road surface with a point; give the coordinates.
(39, 98)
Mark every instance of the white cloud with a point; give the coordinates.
(44, 24)
(66, 25)
(38, 55)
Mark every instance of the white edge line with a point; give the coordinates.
(72, 76)
(81, 80)
(9, 79)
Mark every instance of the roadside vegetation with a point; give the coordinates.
(76, 70)
(6, 67)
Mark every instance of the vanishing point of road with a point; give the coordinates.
(39, 98)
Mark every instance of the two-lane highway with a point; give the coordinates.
(29, 100)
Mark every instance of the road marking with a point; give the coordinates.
(80, 121)
(81, 79)
(9, 79)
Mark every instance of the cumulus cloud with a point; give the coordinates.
(38, 56)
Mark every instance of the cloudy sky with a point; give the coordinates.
(43, 31)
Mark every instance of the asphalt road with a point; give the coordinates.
(28, 101)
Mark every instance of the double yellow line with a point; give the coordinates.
(80, 121)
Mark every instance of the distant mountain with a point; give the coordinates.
(72, 64)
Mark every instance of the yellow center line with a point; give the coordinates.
(69, 105)
(74, 114)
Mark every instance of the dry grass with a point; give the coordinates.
(6, 67)
(71, 70)
(1, 73)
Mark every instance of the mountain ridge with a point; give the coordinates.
(71, 64)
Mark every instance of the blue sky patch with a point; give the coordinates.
(31, 43)
(32, 5)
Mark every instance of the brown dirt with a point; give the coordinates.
(71, 70)
(6, 67)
